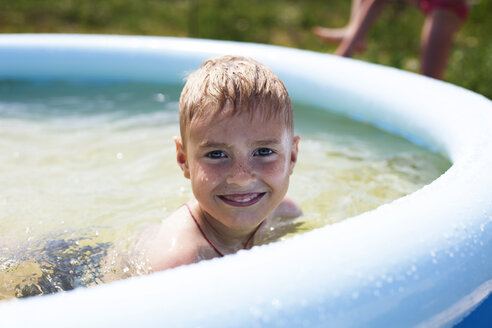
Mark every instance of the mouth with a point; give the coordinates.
(242, 200)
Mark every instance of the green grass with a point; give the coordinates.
(393, 41)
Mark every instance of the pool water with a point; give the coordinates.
(83, 167)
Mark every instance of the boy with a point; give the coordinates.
(238, 149)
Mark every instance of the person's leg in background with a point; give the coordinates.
(444, 19)
(367, 14)
(336, 35)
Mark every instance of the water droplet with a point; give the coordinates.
(255, 312)
(160, 97)
(276, 303)
(74, 262)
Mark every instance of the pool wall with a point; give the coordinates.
(422, 260)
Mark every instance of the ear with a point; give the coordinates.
(181, 157)
(293, 153)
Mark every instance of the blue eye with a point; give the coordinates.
(216, 154)
(264, 152)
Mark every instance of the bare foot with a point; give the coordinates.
(335, 36)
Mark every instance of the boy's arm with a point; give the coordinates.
(169, 246)
(171, 259)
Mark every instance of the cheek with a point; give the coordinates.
(206, 175)
(276, 170)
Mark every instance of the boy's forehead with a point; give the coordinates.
(246, 116)
(243, 124)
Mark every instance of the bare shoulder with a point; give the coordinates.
(288, 209)
(170, 243)
(280, 222)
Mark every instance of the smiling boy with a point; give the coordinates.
(238, 149)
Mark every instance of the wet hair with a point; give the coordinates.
(241, 83)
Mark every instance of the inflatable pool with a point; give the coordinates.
(422, 260)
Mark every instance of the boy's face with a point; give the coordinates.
(239, 167)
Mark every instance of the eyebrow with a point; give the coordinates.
(266, 142)
(213, 144)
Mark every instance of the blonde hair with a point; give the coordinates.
(241, 83)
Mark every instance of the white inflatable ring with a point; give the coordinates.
(422, 260)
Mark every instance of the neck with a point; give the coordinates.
(223, 238)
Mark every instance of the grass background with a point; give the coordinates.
(394, 40)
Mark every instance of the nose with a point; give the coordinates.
(241, 175)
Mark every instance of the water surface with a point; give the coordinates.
(85, 166)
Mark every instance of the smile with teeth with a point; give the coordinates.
(242, 200)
